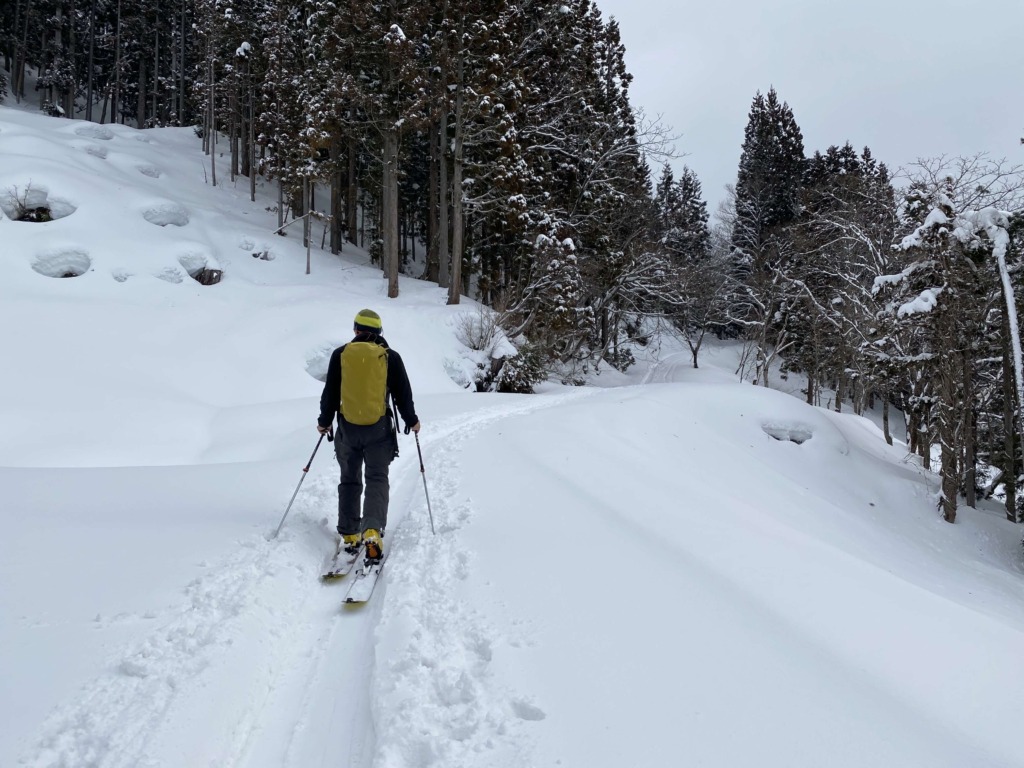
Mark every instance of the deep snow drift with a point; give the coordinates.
(666, 568)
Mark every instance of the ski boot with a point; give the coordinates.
(373, 541)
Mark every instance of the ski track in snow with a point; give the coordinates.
(434, 695)
(260, 653)
(245, 608)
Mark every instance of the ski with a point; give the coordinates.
(365, 580)
(341, 565)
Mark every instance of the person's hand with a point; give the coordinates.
(322, 430)
(414, 428)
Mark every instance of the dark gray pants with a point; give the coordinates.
(374, 446)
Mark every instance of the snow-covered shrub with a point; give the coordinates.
(519, 373)
(481, 331)
(622, 358)
(496, 364)
(30, 204)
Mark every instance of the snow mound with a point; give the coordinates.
(93, 131)
(197, 261)
(151, 171)
(62, 263)
(120, 275)
(95, 150)
(166, 213)
(170, 275)
(260, 251)
(788, 431)
(201, 267)
(317, 361)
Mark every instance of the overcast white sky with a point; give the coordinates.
(909, 78)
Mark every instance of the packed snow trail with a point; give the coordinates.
(261, 666)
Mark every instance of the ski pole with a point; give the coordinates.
(305, 471)
(423, 473)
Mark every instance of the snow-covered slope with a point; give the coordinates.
(676, 570)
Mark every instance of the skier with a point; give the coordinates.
(360, 377)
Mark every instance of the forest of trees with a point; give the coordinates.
(490, 147)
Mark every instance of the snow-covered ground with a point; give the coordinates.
(666, 568)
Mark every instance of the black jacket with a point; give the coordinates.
(398, 384)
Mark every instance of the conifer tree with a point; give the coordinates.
(770, 174)
(766, 205)
(682, 216)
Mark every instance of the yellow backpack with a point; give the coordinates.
(364, 382)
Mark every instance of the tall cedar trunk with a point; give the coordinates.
(250, 153)
(14, 62)
(1009, 463)
(182, 117)
(156, 67)
(115, 101)
(947, 415)
(455, 288)
(280, 204)
(443, 254)
(970, 435)
(48, 51)
(19, 76)
(403, 236)
(213, 120)
(233, 129)
(69, 94)
(430, 270)
(885, 420)
(337, 193)
(486, 282)
(91, 75)
(351, 194)
(246, 116)
(466, 277)
(305, 206)
(140, 114)
(913, 431)
(172, 94)
(389, 211)
(10, 54)
(362, 219)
